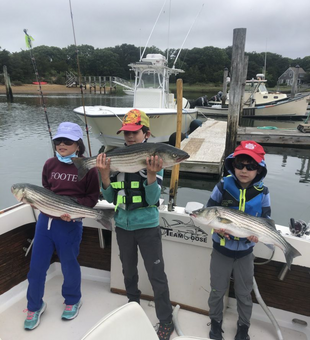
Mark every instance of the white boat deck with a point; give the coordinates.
(206, 146)
(99, 301)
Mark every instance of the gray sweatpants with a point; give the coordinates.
(242, 269)
(149, 242)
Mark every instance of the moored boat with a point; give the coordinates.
(289, 108)
(151, 95)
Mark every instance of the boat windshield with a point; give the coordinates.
(150, 79)
(262, 88)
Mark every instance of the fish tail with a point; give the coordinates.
(80, 165)
(105, 218)
(290, 255)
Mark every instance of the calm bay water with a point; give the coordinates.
(25, 145)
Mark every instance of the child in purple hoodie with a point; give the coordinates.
(61, 234)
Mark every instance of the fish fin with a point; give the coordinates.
(291, 254)
(224, 220)
(79, 163)
(270, 246)
(109, 148)
(270, 222)
(105, 218)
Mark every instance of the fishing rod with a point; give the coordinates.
(81, 87)
(29, 40)
(187, 36)
(152, 30)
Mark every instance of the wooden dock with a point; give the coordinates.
(277, 137)
(206, 146)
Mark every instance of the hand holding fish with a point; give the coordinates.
(253, 238)
(222, 232)
(66, 217)
(226, 233)
(103, 164)
(153, 165)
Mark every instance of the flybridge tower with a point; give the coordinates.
(152, 82)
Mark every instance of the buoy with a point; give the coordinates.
(172, 138)
(194, 125)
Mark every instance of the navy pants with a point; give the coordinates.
(149, 242)
(65, 238)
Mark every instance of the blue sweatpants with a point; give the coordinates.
(65, 238)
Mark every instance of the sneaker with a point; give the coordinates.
(33, 318)
(242, 332)
(165, 330)
(216, 330)
(71, 311)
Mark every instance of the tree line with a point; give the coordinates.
(201, 65)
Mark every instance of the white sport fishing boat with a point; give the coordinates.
(151, 95)
(105, 313)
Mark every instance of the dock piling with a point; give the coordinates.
(235, 92)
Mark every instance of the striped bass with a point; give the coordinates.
(55, 205)
(132, 158)
(240, 224)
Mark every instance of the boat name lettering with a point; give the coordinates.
(184, 235)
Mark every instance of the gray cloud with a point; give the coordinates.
(280, 27)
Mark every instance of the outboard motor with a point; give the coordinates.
(201, 101)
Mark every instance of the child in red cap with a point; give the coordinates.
(136, 198)
(244, 190)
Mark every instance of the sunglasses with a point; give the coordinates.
(66, 141)
(249, 167)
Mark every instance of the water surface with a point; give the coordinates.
(25, 145)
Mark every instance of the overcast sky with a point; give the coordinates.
(278, 26)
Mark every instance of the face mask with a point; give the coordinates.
(66, 159)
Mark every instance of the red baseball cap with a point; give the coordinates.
(252, 149)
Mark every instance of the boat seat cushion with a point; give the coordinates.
(126, 322)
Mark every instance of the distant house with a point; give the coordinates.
(288, 76)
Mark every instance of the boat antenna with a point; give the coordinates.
(152, 30)
(28, 40)
(186, 37)
(81, 86)
(168, 44)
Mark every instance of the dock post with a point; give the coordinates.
(224, 95)
(7, 81)
(174, 180)
(235, 92)
(295, 81)
(244, 76)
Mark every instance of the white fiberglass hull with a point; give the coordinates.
(286, 109)
(105, 121)
(185, 273)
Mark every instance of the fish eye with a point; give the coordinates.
(174, 155)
